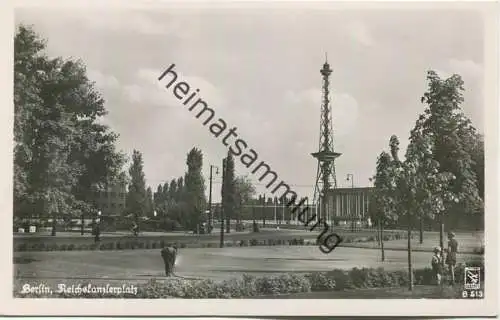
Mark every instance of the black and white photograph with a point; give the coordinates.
(254, 150)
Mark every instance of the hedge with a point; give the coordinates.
(250, 286)
(145, 243)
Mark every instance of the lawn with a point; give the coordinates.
(212, 263)
(468, 242)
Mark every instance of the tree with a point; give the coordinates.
(452, 135)
(244, 192)
(150, 207)
(228, 192)
(158, 199)
(136, 201)
(194, 190)
(61, 153)
(383, 205)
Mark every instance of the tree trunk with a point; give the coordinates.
(228, 225)
(382, 241)
(410, 268)
(82, 229)
(441, 239)
(421, 235)
(54, 224)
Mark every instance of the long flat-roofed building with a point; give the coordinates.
(348, 204)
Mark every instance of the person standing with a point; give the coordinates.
(451, 257)
(169, 255)
(437, 265)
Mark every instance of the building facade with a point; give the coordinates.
(348, 204)
(111, 201)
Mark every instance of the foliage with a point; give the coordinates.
(250, 286)
(194, 190)
(453, 141)
(228, 191)
(136, 201)
(61, 151)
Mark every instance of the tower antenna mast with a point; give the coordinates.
(326, 155)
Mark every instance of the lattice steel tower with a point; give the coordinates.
(325, 177)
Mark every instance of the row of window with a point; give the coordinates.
(112, 205)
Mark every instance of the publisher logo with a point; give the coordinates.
(472, 279)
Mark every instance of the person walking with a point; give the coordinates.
(451, 257)
(437, 265)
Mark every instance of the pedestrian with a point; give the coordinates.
(97, 232)
(169, 255)
(437, 266)
(451, 257)
(135, 229)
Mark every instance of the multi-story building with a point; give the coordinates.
(111, 200)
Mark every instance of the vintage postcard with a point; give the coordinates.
(250, 158)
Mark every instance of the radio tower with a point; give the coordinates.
(325, 177)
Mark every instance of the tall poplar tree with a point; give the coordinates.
(229, 192)
(194, 190)
(136, 201)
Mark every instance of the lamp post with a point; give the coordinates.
(98, 227)
(210, 196)
(222, 205)
(350, 177)
(154, 214)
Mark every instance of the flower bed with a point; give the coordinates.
(250, 286)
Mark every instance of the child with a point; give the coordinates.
(437, 266)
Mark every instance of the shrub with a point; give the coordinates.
(240, 227)
(321, 281)
(285, 283)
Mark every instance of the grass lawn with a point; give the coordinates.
(213, 263)
(467, 242)
(427, 292)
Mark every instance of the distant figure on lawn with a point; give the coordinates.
(169, 254)
(437, 265)
(451, 257)
(97, 232)
(135, 229)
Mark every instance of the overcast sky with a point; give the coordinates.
(259, 70)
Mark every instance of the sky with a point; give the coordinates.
(258, 68)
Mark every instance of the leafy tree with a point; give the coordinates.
(194, 189)
(452, 136)
(244, 192)
(61, 153)
(150, 207)
(136, 201)
(228, 191)
(383, 205)
(158, 199)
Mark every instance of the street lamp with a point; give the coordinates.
(210, 196)
(350, 179)
(97, 227)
